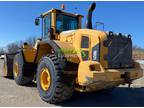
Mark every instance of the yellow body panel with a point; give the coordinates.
(69, 51)
(37, 52)
(85, 75)
(103, 50)
(94, 79)
(29, 53)
(74, 37)
(43, 50)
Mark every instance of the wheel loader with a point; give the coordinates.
(68, 57)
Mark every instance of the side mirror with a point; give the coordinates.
(37, 21)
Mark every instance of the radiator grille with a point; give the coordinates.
(119, 51)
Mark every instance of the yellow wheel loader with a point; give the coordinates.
(69, 58)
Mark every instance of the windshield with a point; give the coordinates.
(65, 22)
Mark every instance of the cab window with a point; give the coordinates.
(47, 25)
(65, 22)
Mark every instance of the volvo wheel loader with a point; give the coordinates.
(68, 57)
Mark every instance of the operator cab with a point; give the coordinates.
(55, 21)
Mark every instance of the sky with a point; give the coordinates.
(17, 18)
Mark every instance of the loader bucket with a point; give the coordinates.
(8, 65)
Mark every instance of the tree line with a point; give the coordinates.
(13, 47)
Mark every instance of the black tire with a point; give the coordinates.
(61, 88)
(21, 79)
(8, 65)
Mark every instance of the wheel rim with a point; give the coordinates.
(45, 79)
(16, 70)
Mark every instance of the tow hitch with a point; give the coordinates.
(126, 77)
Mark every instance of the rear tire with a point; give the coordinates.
(19, 69)
(8, 65)
(61, 88)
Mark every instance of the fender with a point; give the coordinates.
(46, 47)
(42, 48)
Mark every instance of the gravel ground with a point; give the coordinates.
(23, 96)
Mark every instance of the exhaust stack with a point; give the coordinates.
(89, 16)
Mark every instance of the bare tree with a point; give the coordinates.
(15, 46)
(12, 48)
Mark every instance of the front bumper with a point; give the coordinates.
(91, 72)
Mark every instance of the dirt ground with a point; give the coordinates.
(22, 96)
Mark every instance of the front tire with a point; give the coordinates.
(57, 89)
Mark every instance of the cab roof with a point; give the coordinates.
(61, 11)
